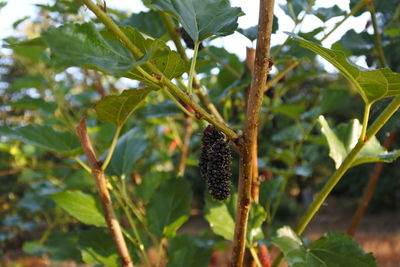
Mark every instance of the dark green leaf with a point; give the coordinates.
(82, 45)
(34, 104)
(372, 85)
(129, 149)
(326, 13)
(185, 250)
(43, 136)
(202, 19)
(147, 22)
(151, 181)
(169, 207)
(359, 44)
(84, 207)
(25, 82)
(292, 110)
(117, 109)
(331, 250)
(344, 138)
(97, 247)
(292, 8)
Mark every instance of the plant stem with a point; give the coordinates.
(160, 250)
(354, 10)
(377, 36)
(223, 64)
(168, 93)
(188, 129)
(346, 164)
(293, 64)
(101, 184)
(83, 164)
(112, 148)
(201, 113)
(193, 68)
(255, 256)
(370, 188)
(365, 121)
(261, 70)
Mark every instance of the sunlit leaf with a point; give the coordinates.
(372, 85)
(84, 207)
(344, 138)
(331, 250)
(202, 19)
(117, 109)
(43, 136)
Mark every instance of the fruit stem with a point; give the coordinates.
(193, 68)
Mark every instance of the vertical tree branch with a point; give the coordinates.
(101, 184)
(370, 188)
(261, 70)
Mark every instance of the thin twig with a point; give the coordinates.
(261, 70)
(101, 184)
(188, 130)
(377, 36)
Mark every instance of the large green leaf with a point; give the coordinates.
(84, 207)
(129, 149)
(43, 136)
(372, 85)
(117, 109)
(331, 250)
(185, 250)
(202, 19)
(169, 207)
(221, 216)
(83, 45)
(342, 140)
(97, 247)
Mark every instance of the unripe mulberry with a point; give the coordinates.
(188, 40)
(215, 163)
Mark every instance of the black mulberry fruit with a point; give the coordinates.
(188, 40)
(215, 163)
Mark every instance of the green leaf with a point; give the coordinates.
(221, 217)
(331, 250)
(84, 207)
(147, 22)
(202, 19)
(257, 216)
(292, 110)
(89, 48)
(169, 207)
(372, 85)
(151, 181)
(83, 45)
(185, 250)
(34, 104)
(342, 140)
(326, 13)
(293, 7)
(117, 109)
(97, 247)
(43, 136)
(129, 149)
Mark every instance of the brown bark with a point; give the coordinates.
(261, 70)
(104, 195)
(370, 188)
